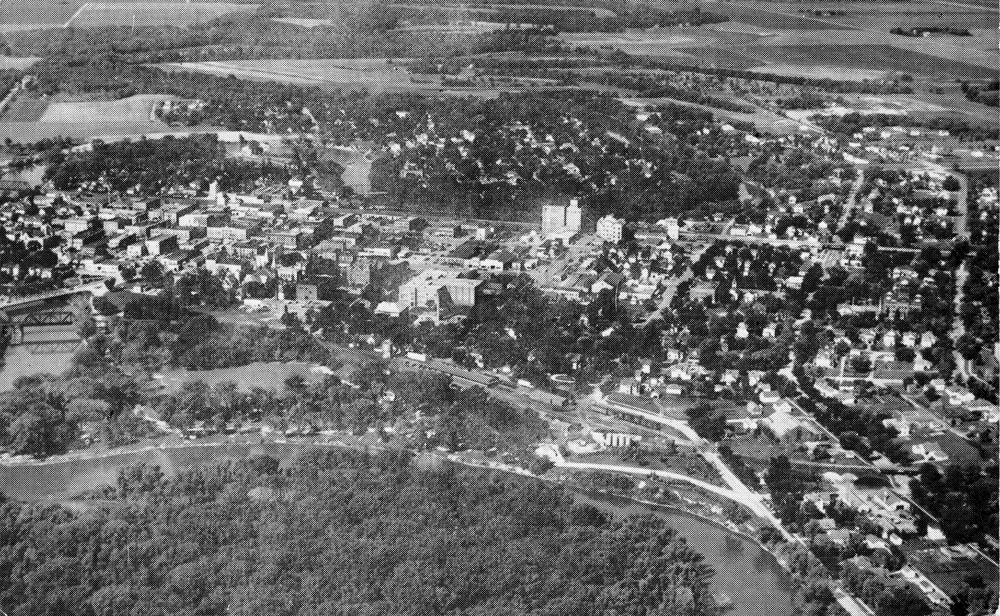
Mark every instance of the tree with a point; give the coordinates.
(861, 364)
(708, 423)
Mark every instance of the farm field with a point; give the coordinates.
(269, 375)
(95, 14)
(29, 14)
(25, 109)
(873, 57)
(132, 109)
(86, 119)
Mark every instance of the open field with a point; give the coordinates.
(377, 75)
(270, 375)
(842, 52)
(871, 57)
(132, 109)
(357, 168)
(25, 109)
(95, 14)
(17, 63)
(29, 14)
(86, 119)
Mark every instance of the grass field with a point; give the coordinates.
(94, 14)
(270, 375)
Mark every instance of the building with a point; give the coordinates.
(610, 228)
(557, 217)
(79, 224)
(428, 286)
(230, 233)
(359, 273)
(673, 228)
(161, 245)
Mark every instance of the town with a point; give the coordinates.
(611, 276)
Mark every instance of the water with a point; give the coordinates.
(32, 175)
(744, 572)
(749, 575)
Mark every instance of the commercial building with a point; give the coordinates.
(429, 286)
(610, 228)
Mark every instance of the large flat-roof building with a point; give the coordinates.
(428, 286)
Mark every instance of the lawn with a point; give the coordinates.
(95, 14)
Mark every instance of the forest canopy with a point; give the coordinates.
(340, 532)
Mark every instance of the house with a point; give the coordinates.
(931, 590)
(840, 536)
(928, 452)
(826, 524)
(958, 395)
(769, 397)
(822, 500)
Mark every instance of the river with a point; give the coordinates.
(744, 572)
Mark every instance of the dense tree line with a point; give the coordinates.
(825, 84)
(238, 36)
(340, 533)
(859, 430)
(574, 19)
(158, 165)
(987, 94)
(854, 122)
(885, 599)
(648, 86)
(925, 30)
(963, 498)
(604, 156)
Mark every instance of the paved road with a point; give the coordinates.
(852, 200)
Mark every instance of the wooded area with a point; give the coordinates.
(339, 532)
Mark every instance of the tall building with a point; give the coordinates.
(673, 228)
(553, 217)
(559, 217)
(609, 228)
(574, 215)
